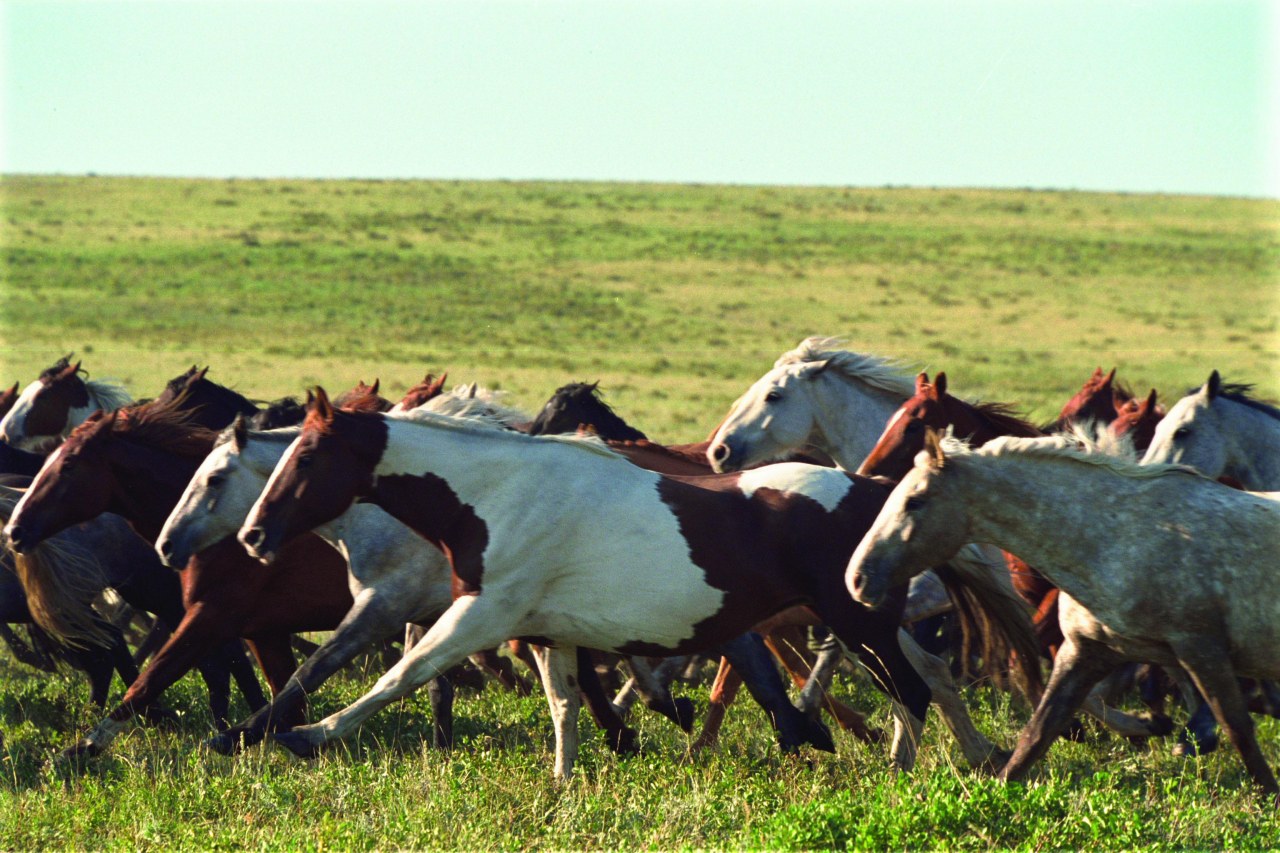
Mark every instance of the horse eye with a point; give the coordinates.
(914, 503)
(1182, 432)
(304, 461)
(773, 396)
(216, 480)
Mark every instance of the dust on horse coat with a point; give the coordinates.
(1131, 533)
(55, 404)
(136, 463)
(1221, 431)
(563, 540)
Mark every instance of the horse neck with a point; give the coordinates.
(1017, 505)
(850, 418)
(149, 484)
(1253, 448)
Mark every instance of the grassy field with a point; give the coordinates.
(676, 298)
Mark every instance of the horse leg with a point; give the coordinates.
(977, 749)
(370, 619)
(749, 657)
(1078, 666)
(655, 691)
(723, 691)
(440, 695)
(814, 678)
(1207, 662)
(620, 737)
(1200, 735)
(471, 623)
(500, 668)
(201, 629)
(152, 642)
(558, 667)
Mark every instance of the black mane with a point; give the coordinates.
(579, 404)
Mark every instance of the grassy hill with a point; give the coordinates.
(676, 298)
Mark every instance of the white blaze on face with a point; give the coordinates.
(827, 486)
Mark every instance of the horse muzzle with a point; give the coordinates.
(261, 546)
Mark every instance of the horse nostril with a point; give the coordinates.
(254, 536)
(15, 536)
(859, 581)
(721, 452)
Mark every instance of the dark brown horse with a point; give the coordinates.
(136, 463)
(1137, 419)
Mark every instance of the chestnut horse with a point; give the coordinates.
(136, 463)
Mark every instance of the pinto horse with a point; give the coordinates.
(136, 463)
(610, 556)
(1132, 533)
(56, 403)
(579, 405)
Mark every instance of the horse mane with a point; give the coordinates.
(488, 425)
(1003, 418)
(57, 369)
(61, 580)
(161, 424)
(1239, 392)
(286, 411)
(874, 370)
(471, 401)
(1076, 445)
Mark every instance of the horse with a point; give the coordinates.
(57, 402)
(211, 405)
(1132, 533)
(136, 462)
(58, 580)
(1096, 402)
(8, 398)
(1136, 419)
(395, 576)
(1222, 431)
(579, 405)
(609, 556)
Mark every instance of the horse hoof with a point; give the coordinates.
(819, 736)
(297, 743)
(1190, 746)
(1162, 725)
(159, 715)
(684, 714)
(82, 751)
(995, 761)
(624, 742)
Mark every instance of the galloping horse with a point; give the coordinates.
(1137, 420)
(1131, 533)
(56, 403)
(561, 539)
(136, 463)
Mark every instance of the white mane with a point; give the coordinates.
(874, 370)
(480, 421)
(1074, 446)
(107, 394)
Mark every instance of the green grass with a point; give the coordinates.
(676, 297)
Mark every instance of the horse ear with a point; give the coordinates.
(922, 381)
(817, 368)
(1214, 386)
(199, 373)
(1151, 401)
(239, 433)
(1111, 377)
(436, 386)
(933, 447)
(322, 406)
(373, 391)
(940, 384)
(311, 398)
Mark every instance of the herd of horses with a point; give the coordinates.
(841, 504)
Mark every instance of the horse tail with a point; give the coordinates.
(61, 581)
(995, 621)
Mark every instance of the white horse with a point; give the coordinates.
(1222, 432)
(816, 395)
(59, 401)
(1166, 566)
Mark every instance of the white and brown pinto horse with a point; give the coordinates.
(1126, 535)
(48, 409)
(562, 540)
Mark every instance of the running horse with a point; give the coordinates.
(1131, 533)
(136, 462)
(562, 539)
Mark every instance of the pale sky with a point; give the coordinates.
(1136, 96)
